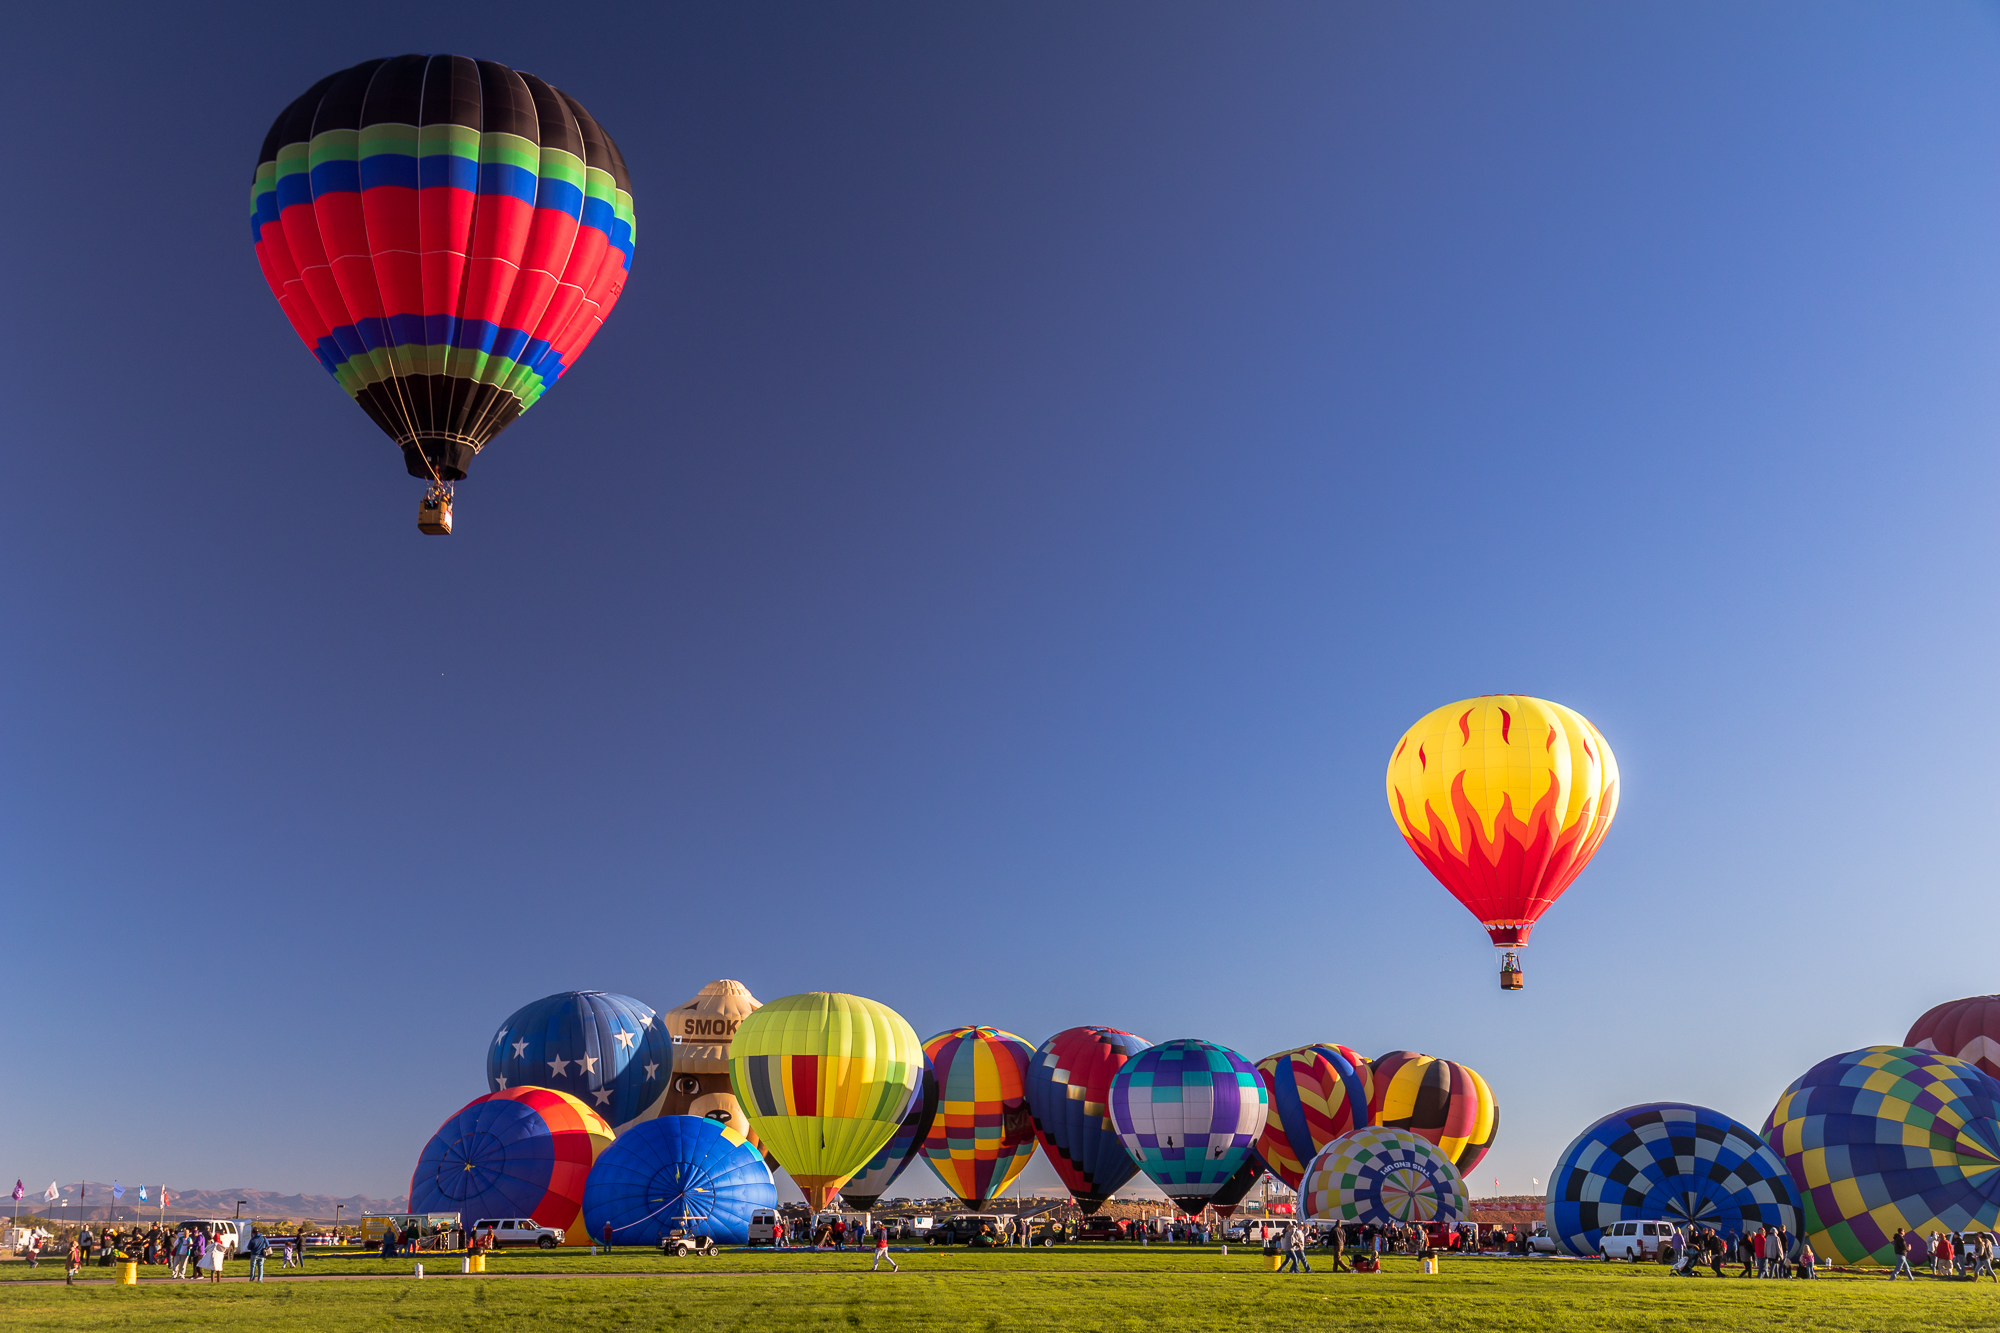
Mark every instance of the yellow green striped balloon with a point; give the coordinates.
(826, 1079)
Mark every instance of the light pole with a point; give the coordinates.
(336, 1222)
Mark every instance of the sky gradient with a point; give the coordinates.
(1043, 460)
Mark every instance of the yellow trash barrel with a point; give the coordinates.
(128, 1274)
(479, 1263)
(1430, 1266)
(1273, 1262)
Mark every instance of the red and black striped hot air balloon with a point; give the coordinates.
(446, 235)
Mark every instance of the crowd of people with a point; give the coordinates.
(190, 1250)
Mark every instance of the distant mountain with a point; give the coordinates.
(99, 1206)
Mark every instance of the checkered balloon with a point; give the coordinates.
(1667, 1160)
(1383, 1176)
(1887, 1137)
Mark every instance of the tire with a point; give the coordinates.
(546, 1243)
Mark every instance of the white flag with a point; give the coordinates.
(53, 1193)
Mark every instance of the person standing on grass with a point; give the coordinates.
(260, 1245)
(882, 1251)
(1337, 1242)
(211, 1259)
(1900, 1243)
(75, 1261)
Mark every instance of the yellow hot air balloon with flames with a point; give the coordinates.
(1505, 798)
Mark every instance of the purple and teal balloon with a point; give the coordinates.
(1189, 1112)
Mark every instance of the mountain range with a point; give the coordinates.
(98, 1204)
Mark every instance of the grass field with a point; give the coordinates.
(1062, 1291)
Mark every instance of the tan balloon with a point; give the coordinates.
(703, 1027)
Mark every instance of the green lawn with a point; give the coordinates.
(1069, 1290)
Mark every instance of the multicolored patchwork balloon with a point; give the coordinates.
(1504, 798)
(609, 1050)
(872, 1181)
(1967, 1029)
(519, 1152)
(826, 1080)
(1383, 1176)
(1447, 1103)
(678, 1173)
(1069, 1095)
(1317, 1094)
(1189, 1112)
(446, 236)
(982, 1135)
(1667, 1160)
(1887, 1137)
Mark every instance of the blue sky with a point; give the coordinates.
(1042, 462)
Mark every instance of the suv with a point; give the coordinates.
(1636, 1240)
(966, 1229)
(519, 1231)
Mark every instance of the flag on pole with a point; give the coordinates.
(53, 1193)
(18, 1191)
(117, 1190)
(163, 1196)
(142, 1194)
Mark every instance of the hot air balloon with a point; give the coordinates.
(1967, 1029)
(1447, 1103)
(678, 1173)
(1505, 799)
(1383, 1176)
(1887, 1137)
(446, 236)
(519, 1152)
(1317, 1093)
(1233, 1190)
(610, 1050)
(1667, 1159)
(826, 1080)
(701, 1031)
(872, 1181)
(1189, 1113)
(982, 1135)
(1069, 1095)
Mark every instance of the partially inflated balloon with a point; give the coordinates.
(678, 1173)
(1317, 1094)
(1667, 1159)
(1382, 1176)
(1505, 799)
(1233, 1190)
(520, 1152)
(1887, 1137)
(1069, 1094)
(1447, 1103)
(872, 1181)
(982, 1135)
(446, 236)
(1189, 1113)
(1967, 1029)
(826, 1079)
(610, 1050)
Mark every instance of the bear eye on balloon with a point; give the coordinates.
(687, 1083)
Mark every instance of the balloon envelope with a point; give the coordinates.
(609, 1050)
(677, 1173)
(1317, 1093)
(1504, 798)
(826, 1080)
(520, 1152)
(1447, 1103)
(982, 1135)
(872, 1181)
(1383, 1176)
(1887, 1137)
(1967, 1029)
(1189, 1113)
(1667, 1160)
(1069, 1095)
(446, 236)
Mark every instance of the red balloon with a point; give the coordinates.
(1968, 1029)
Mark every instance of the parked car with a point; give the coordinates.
(1636, 1240)
(965, 1229)
(519, 1231)
(1541, 1241)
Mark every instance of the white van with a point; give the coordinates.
(763, 1226)
(1626, 1240)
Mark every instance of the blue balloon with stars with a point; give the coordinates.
(609, 1051)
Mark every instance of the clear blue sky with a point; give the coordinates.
(1043, 460)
